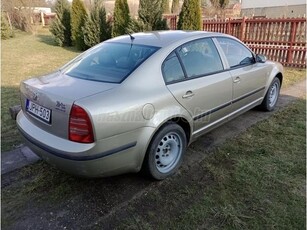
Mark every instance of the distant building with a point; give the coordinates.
(273, 8)
(232, 10)
(45, 10)
(41, 15)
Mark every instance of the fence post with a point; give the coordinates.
(228, 26)
(242, 28)
(291, 42)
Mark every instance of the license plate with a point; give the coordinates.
(38, 111)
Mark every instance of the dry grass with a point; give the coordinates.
(22, 57)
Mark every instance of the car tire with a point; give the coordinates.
(165, 152)
(270, 100)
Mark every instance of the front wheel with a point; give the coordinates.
(270, 100)
(165, 152)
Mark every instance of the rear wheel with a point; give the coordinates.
(270, 100)
(165, 152)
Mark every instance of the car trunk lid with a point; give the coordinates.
(47, 101)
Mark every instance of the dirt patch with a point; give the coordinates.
(165, 200)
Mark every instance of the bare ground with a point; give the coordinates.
(41, 197)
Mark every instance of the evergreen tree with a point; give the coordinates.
(190, 15)
(135, 26)
(165, 6)
(96, 28)
(78, 16)
(6, 31)
(175, 7)
(150, 15)
(121, 18)
(60, 27)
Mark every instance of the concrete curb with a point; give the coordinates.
(17, 158)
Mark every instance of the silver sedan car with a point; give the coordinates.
(137, 101)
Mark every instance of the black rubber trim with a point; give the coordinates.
(211, 111)
(227, 104)
(79, 158)
(247, 95)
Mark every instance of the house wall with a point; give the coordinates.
(276, 12)
(273, 8)
(247, 4)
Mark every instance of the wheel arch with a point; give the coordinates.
(280, 77)
(185, 125)
(181, 121)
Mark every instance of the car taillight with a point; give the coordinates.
(80, 126)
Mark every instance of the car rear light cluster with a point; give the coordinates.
(80, 126)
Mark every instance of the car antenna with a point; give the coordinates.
(131, 37)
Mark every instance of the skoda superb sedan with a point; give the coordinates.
(137, 101)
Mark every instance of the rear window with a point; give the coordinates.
(109, 62)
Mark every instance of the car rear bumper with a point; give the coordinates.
(111, 156)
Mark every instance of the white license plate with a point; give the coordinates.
(38, 111)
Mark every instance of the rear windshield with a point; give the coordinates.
(109, 62)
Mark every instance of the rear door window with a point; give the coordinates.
(236, 53)
(200, 57)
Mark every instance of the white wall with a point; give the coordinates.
(270, 3)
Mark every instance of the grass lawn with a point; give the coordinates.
(259, 178)
(22, 57)
(32, 55)
(253, 181)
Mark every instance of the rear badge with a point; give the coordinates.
(32, 93)
(35, 96)
(60, 106)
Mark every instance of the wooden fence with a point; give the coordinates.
(282, 40)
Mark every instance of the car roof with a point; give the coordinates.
(160, 38)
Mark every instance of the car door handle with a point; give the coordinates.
(236, 80)
(188, 94)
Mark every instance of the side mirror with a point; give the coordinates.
(261, 58)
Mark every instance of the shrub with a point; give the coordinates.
(60, 27)
(96, 28)
(135, 26)
(150, 15)
(121, 18)
(78, 16)
(190, 15)
(6, 31)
